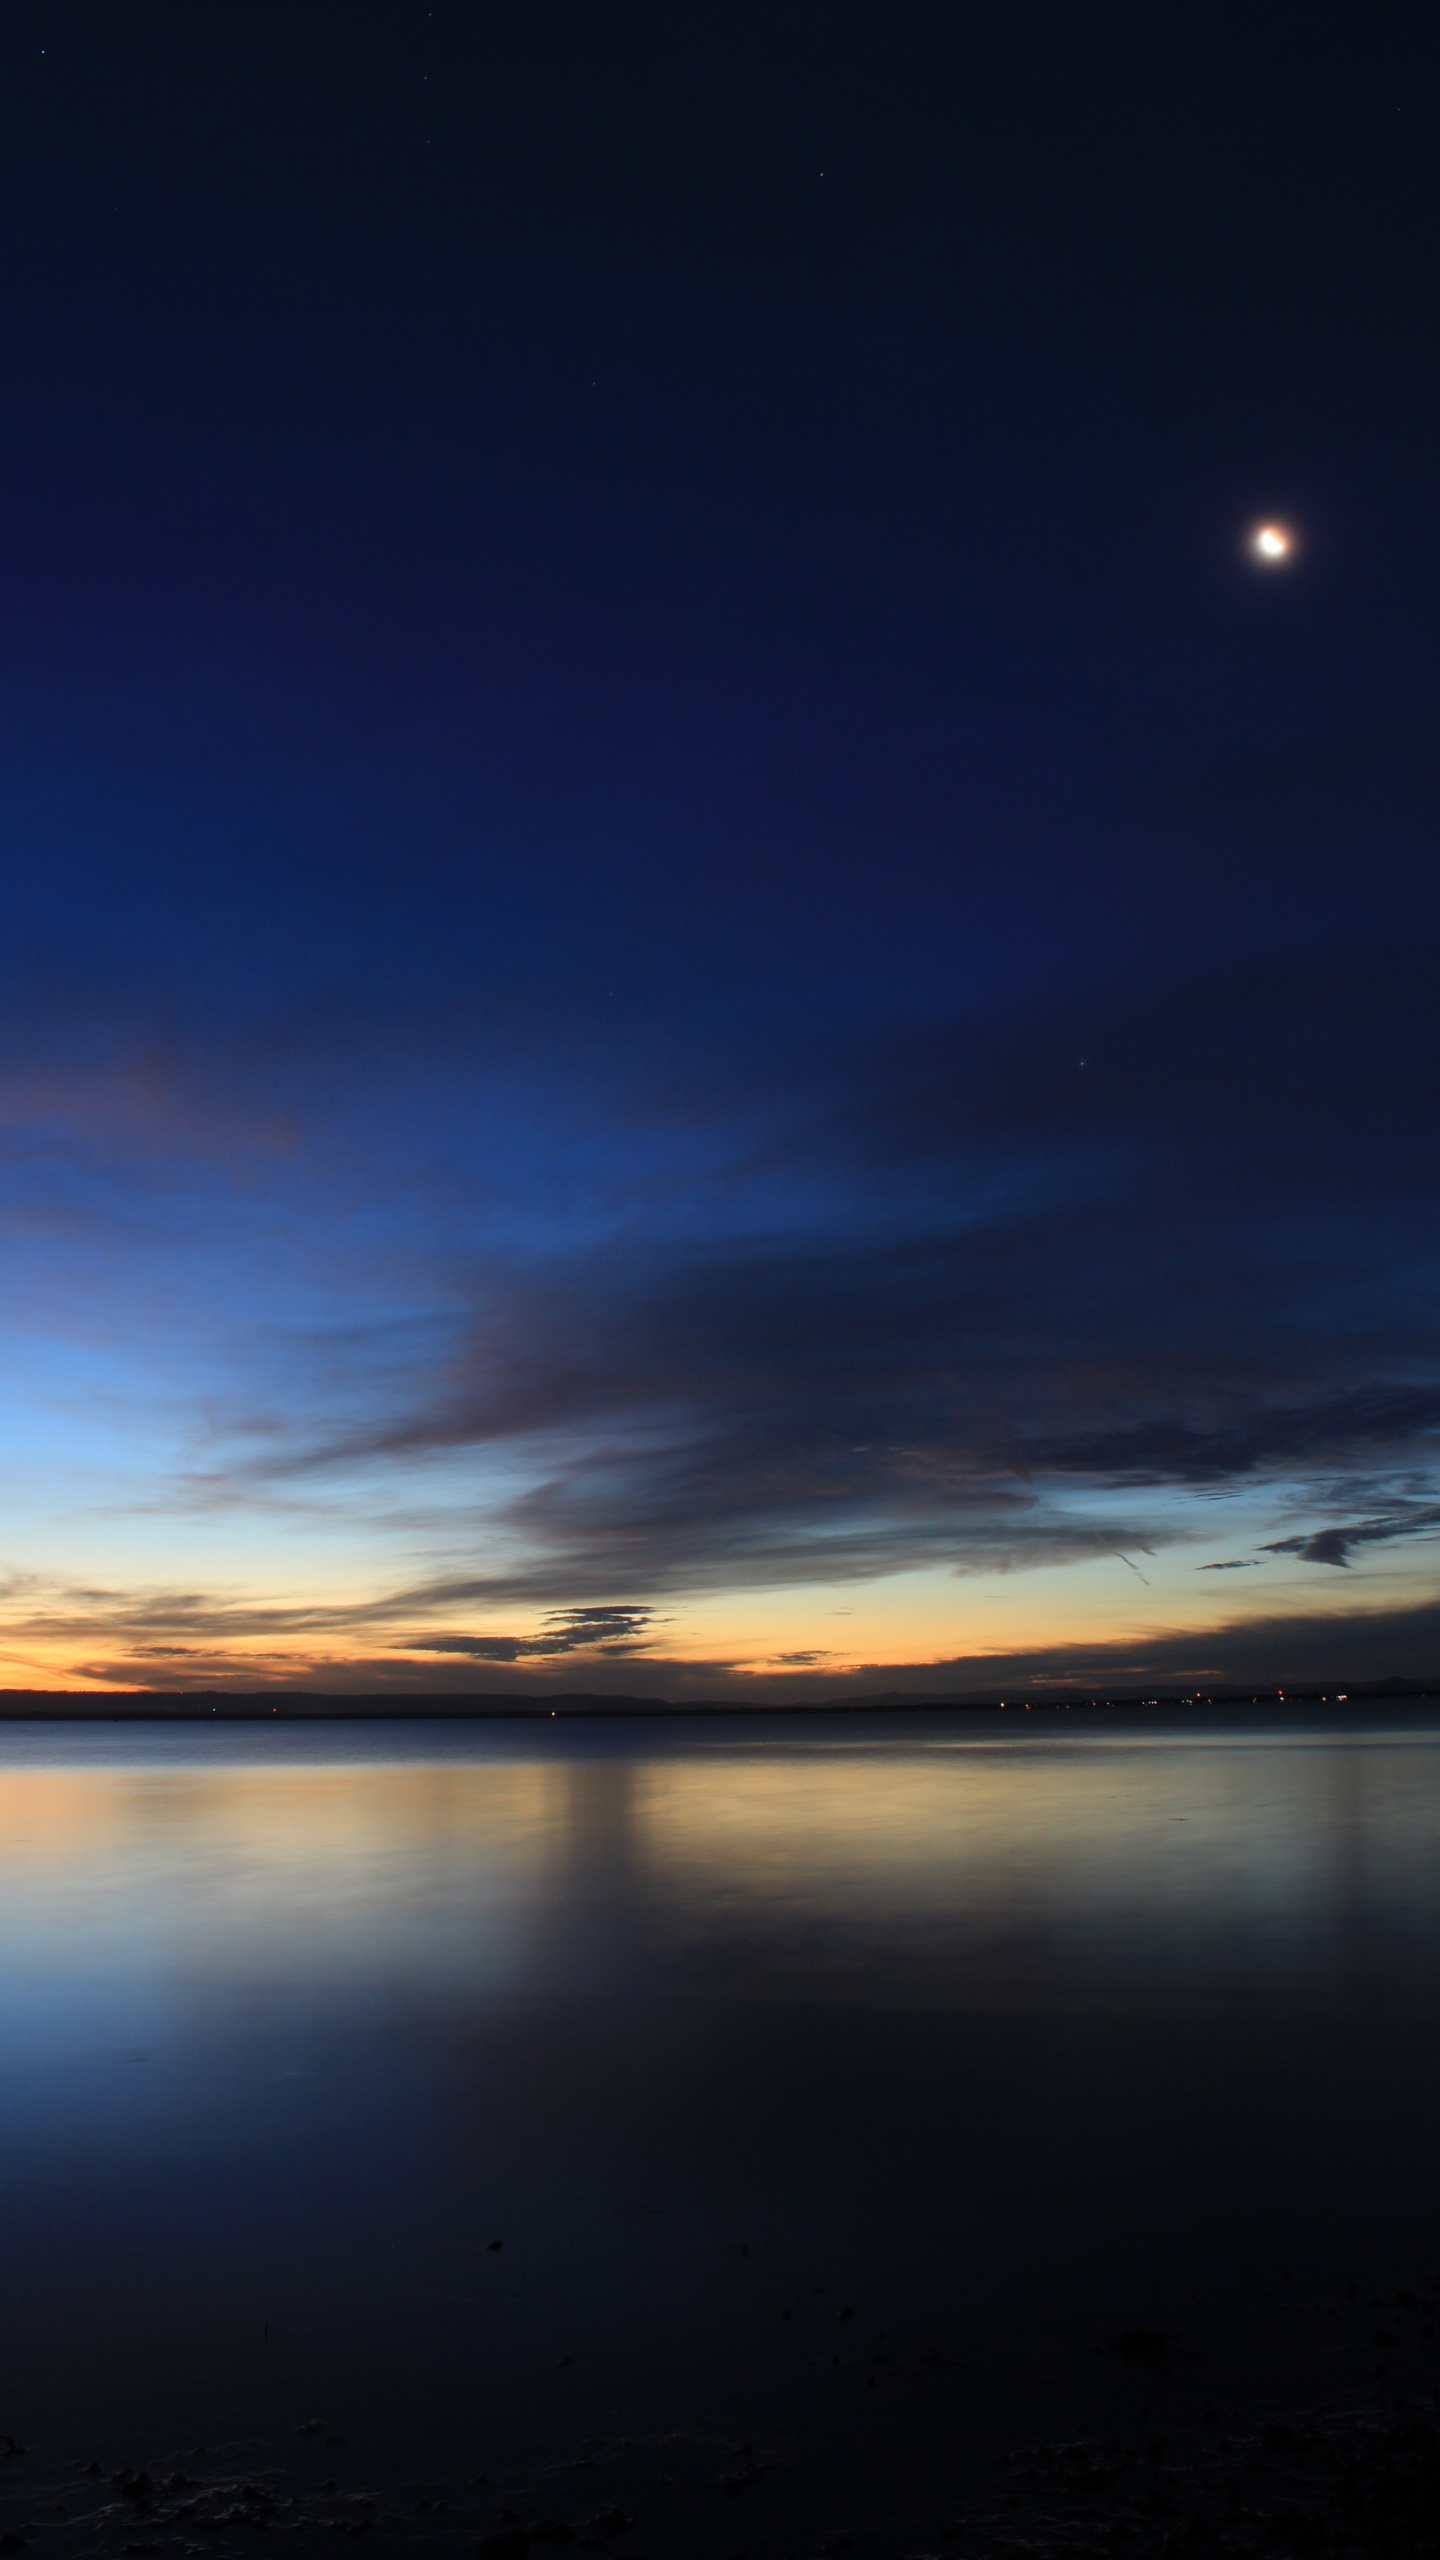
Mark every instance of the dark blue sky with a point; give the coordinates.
(701, 986)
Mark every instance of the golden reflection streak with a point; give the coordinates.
(341, 1864)
(290, 1811)
(1082, 1826)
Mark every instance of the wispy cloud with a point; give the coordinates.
(1261, 1651)
(614, 1633)
(190, 1636)
(1015, 1311)
(1337, 1543)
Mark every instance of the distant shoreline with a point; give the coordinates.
(260, 1706)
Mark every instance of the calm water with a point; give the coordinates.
(998, 2035)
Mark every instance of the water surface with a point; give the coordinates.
(995, 2035)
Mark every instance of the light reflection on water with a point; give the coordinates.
(327, 1856)
(292, 2019)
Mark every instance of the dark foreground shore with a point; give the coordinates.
(1185, 2469)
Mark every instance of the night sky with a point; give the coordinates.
(704, 990)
